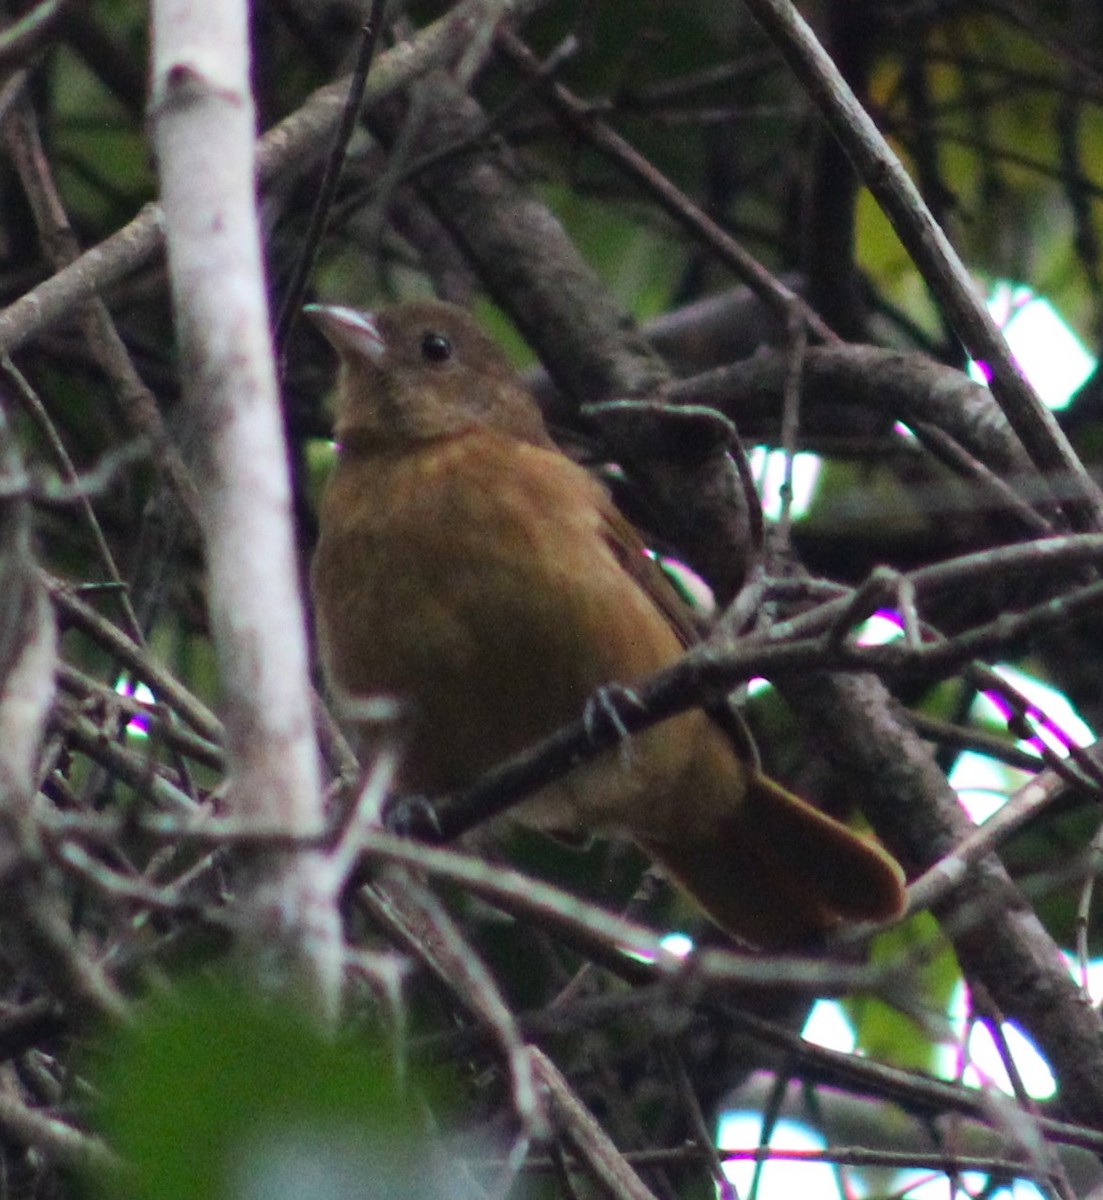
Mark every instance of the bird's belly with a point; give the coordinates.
(675, 780)
(492, 641)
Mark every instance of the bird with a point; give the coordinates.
(469, 568)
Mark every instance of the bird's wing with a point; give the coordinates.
(633, 556)
(625, 543)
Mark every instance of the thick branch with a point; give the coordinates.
(997, 937)
(202, 120)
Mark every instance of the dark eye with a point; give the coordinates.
(435, 347)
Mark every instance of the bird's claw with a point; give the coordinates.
(605, 707)
(412, 816)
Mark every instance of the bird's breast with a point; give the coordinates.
(474, 581)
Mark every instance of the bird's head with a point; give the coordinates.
(421, 371)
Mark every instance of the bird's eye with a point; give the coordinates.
(435, 347)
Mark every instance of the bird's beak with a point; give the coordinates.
(347, 330)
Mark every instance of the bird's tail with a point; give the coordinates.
(776, 871)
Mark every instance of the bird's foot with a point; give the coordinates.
(412, 816)
(603, 709)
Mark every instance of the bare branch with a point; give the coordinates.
(202, 120)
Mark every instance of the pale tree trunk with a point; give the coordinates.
(202, 121)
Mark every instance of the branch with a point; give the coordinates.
(674, 202)
(522, 254)
(996, 935)
(292, 141)
(202, 128)
(907, 387)
(937, 260)
(28, 655)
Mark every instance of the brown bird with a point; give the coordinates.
(468, 567)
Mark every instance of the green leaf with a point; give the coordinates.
(214, 1094)
(889, 1035)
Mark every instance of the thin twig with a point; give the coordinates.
(168, 689)
(32, 403)
(674, 201)
(796, 344)
(932, 252)
(331, 177)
